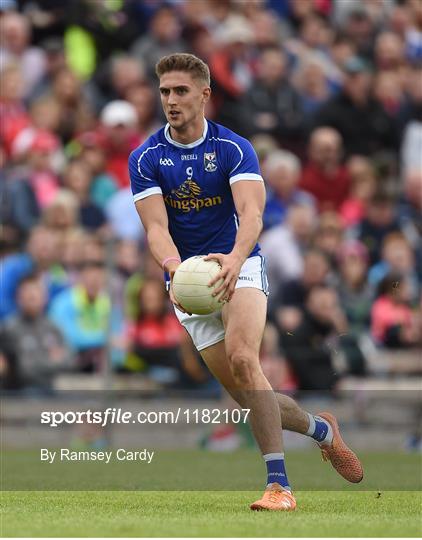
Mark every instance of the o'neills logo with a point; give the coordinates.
(187, 197)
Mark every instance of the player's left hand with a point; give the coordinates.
(230, 269)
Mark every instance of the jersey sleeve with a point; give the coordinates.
(243, 162)
(143, 178)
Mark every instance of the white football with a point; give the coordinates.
(190, 285)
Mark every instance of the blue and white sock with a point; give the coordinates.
(319, 429)
(276, 471)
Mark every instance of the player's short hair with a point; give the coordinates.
(184, 62)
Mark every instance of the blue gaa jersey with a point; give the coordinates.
(194, 180)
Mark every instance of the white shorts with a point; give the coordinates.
(206, 330)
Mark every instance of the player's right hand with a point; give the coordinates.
(171, 293)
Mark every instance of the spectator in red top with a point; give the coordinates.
(393, 323)
(231, 69)
(156, 328)
(324, 176)
(44, 179)
(363, 186)
(119, 124)
(158, 339)
(13, 116)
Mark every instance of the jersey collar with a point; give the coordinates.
(190, 145)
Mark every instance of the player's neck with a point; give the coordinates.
(188, 134)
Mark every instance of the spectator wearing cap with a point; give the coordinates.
(324, 176)
(19, 209)
(16, 36)
(361, 121)
(232, 69)
(119, 128)
(282, 172)
(40, 155)
(272, 105)
(37, 343)
(163, 38)
(92, 152)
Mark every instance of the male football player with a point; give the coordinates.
(198, 190)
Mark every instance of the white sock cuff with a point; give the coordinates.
(273, 456)
(329, 436)
(311, 428)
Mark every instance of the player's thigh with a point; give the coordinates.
(244, 320)
(216, 360)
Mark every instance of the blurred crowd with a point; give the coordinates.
(329, 92)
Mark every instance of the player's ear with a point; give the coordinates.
(206, 94)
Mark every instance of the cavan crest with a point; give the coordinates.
(210, 161)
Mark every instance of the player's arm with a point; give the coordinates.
(249, 200)
(153, 215)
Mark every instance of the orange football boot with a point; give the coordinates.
(344, 460)
(275, 498)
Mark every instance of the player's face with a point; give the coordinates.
(183, 98)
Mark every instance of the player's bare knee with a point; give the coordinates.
(242, 368)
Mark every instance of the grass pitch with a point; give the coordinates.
(120, 502)
(205, 513)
